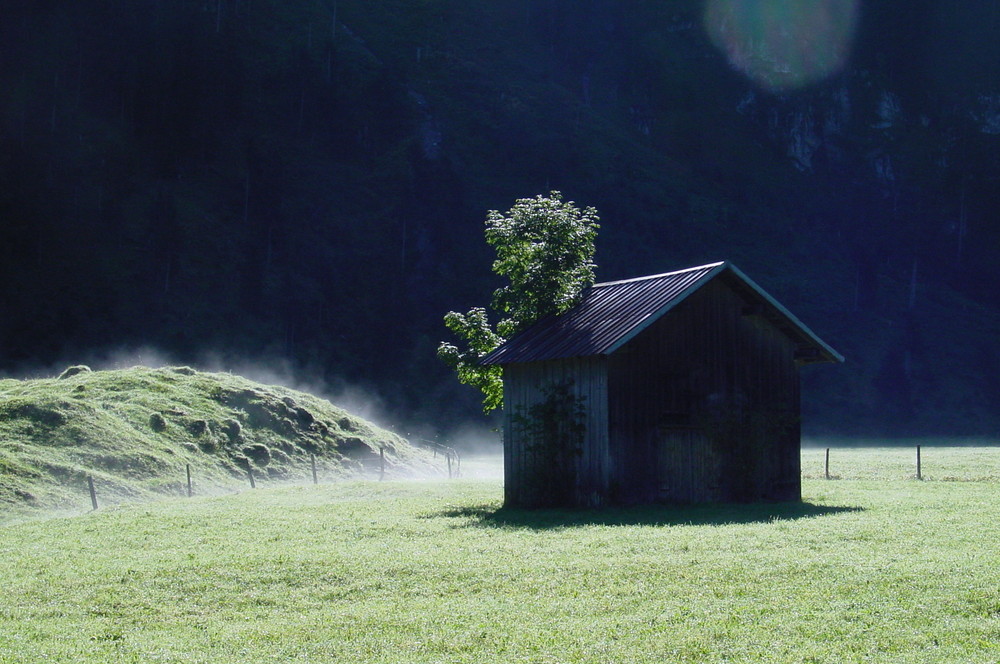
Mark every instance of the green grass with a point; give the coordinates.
(938, 462)
(865, 570)
(136, 430)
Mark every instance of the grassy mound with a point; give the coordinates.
(136, 430)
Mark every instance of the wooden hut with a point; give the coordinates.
(680, 388)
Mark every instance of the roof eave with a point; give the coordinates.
(826, 351)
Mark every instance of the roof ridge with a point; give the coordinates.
(657, 276)
(608, 318)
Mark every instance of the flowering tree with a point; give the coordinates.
(545, 248)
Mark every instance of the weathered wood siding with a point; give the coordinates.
(704, 406)
(590, 472)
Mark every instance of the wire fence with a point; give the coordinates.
(453, 458)
(918, 462)
(377, 466)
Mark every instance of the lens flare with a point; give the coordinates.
(783, 44)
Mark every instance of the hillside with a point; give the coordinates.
(307, 180)
(135, 431)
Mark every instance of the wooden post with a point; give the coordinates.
(312, 460)
(449, 465)
(253, 485)
(827, 471)
(93, 493)
(189, 480)
(919, 475)
(381, 455)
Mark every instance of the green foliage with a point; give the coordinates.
(545, 249)
(554, 429)
(474, 329)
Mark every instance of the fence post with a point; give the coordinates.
(827, 471)
(93, 493)
(449, 464)
(189, 480)
(919, 475)
(381, 455)
(312, 461)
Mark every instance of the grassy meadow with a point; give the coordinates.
(872, 567)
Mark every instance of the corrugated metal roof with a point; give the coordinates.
(614, 312)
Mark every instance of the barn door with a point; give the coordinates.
(687, 471)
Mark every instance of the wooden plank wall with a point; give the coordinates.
(523, 387)
(679, 392)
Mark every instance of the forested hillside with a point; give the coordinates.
(308, 180)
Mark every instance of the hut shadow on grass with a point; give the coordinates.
(490, 516)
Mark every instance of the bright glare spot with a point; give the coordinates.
(783, 44)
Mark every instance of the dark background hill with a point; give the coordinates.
(307, 181)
